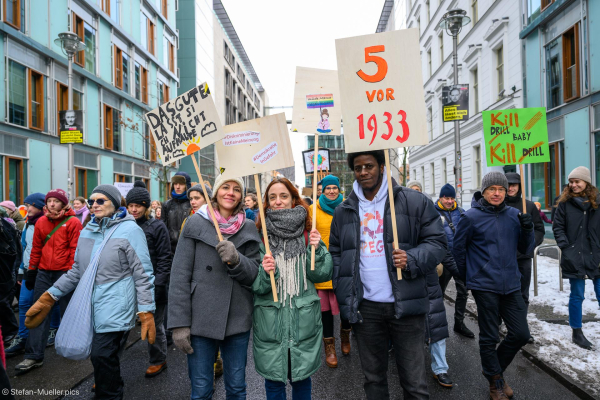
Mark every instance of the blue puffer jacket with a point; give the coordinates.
(449, 217)
(124, 282)
(485, 247)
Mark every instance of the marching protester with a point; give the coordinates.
(514, 199)
(157, 240)
(123, 286)
(14, 214)
(576, 228)
(155, 204)
(10, 259)
(53, 248)
(287, 334)
(81, 210)
(328, 201)
(35, 205)
(319, 189)
(416, 185)
(485, 247)
(378, 305)
(450, 213)
(251, 206)
(543, 215)
(210, 301)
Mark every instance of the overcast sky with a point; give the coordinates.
(279, 35)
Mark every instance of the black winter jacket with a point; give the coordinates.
(436, 324)
(576, 227)
(159, 248)
(538, 225)
(420, 234)
(174, 211)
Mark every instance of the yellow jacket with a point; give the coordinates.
(324, 228)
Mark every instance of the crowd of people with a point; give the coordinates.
(165, 266)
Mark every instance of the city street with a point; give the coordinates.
(345, 382)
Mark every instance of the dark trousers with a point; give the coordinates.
(38, 337)
(525, 270)
(8, 321)
(461, 294)
(301, 390)
(5, 388)
(490, 307)
(327, 319)
(106, 351)
(407, 334)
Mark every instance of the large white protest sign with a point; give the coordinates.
(317, 106)
(183, 125)
(382, 86)
(124, 187)
(255, 146)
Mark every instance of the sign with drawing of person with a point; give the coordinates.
(71, 126)
(455, 102)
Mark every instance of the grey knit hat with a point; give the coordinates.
(111, 192)
(494, 178)
(581, 173)
(198, 188)
(414, 183)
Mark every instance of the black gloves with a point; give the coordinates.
(526, 221)
(30, 276)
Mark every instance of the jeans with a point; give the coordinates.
(407, 334)
(525, 270)
(158, 350)
(234, 351)
(106, 351)
(439, 365)
(25, 301)
(576, 300)
(462, 293)
(38, 337)
(301, 390)
(512, 309)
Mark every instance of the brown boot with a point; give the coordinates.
(345, 338)
(330, 357)
(497, 388)
(154, 370)
(508, 391)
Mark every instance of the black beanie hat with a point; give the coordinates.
(138, 195)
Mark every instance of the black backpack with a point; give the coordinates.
(8, 251)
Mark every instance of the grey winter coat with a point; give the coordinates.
(213, 299)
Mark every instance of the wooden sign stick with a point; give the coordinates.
(314, 204)
(392, 205)
(208, 202)
(264, 231)
(522, 188)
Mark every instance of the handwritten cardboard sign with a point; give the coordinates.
(181, 126)
(382, 87)
(124, 187)
(323, 161)
(255, 146)
(516, 136)
(317, 106)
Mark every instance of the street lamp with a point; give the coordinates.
(70, 44)
(452, 23)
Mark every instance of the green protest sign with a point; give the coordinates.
(515, 136)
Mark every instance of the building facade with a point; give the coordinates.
(212, 52)
(489, 61)
(561, 51)
(129, 67)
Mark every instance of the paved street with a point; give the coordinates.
(345, 382)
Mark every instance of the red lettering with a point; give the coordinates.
(361, 126)
(371, 244)
(372, 125)
(405, 129)
(388, 135)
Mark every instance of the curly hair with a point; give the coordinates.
(590, 191)
(296, 201)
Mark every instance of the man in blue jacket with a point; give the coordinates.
(485, 250)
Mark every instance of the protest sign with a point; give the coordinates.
(124, 187)
(71, 126)
(323, 161)
(382, 87)
(181, 126)
(317, 107)
(516, 136)
(455, 102)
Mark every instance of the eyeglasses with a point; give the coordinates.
(100, 202)
(499, 190)
(331, 189)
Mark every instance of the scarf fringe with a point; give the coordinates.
(288, 284)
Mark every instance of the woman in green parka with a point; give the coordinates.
(288, 334)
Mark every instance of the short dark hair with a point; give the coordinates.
(378, 154)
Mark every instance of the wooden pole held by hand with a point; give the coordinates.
(392, 205)
(208, 202)
(314, 204)
(522, 188)
(264, 232)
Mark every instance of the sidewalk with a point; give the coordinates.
(548, 323)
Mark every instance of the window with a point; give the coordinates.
(62, 101)
(17, 97)
(169, 54)
(428, 6)
(14, 181)
(148, 30)
(500, 68)
(81, 182)
(36, 99)
(226, 51)
(122, 178)
(419, 25)
(570, 47)
(13, 12)
(429, 63)
(441, 37)
(85, 58)
(111, 7)
(164, 9)
(546, 3)
(477, 167)
(553, 73)
(141, 83)
(432, 172)
(422, 176)
(474, 12)
(112, 128)
(475, 79)
(444, 172)
(430, 122)
(118, 63)
(163, 93)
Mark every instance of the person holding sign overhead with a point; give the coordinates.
(287, 334)
(210, 301)
(380, 307)
(485, 247)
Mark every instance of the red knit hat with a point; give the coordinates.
(58, 194)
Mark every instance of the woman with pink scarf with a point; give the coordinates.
(81, 210)
(210, 297)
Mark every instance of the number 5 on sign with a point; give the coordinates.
(382, 87)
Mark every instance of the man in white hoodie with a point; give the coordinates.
(365, 279)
